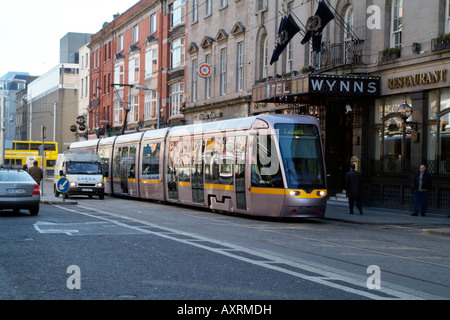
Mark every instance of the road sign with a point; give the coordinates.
(63, 185)
(204, 70)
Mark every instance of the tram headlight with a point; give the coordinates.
(321, 193)
(295, 193)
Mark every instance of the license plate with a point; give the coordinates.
(86, 190)
(15, 191)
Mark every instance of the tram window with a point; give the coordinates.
(266, 171)
(212, 160)
(131, 162)
(150, 161)
(226, 161)
(185, 160)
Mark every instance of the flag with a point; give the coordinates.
(287, 30)
(314, 29)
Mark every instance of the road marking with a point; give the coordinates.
(348, 284)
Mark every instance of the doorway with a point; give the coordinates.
(338, 146)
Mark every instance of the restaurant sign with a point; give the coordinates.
(292, 89)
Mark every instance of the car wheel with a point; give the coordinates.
(102, 196)
(34, 211)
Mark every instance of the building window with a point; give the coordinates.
(397, 24)
(133, 70)
(194, 81)
(208, 79)
(392, 148)
(153, 23)
(178, 12)
(439, 130)
(118, 74)
(177, 53)
(262, 5)
(150, 105)
(265, 57)
(118, 112)
(120, 43)
(447, 16)
(240, 67)
(195, 10)
(223, 3)
(348, 18)
(290, 57)
(133, 115)
(176, 98)
(136, 34)
(208, 6)
(151, 62)
(223, 71)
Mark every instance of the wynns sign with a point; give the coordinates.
(290, 89)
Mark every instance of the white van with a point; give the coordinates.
(84, 172)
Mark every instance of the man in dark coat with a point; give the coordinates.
(353, 183)
(36, 172)
(422, 182)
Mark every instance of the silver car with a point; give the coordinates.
(18, 190)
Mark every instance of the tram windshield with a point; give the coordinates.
(301, 154)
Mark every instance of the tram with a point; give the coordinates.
(267, 165)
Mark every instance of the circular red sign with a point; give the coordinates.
(204, 70)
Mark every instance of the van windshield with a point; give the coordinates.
(75, 167)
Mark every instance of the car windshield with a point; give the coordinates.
(301, 152)
(83, 168)
(15, 176)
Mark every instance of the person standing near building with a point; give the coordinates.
(422, 182)
(353, 183)
(36, 172)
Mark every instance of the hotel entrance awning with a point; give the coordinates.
(296, 89)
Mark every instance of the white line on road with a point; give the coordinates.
(323, 277)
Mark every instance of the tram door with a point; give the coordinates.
(172, 170)
(198, 187)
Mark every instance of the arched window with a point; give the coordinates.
(265, 56)
(348, 28)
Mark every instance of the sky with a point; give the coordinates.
(30, 30)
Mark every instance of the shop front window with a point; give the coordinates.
(391, 138)
(438, 132)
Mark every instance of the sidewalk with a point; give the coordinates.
(435, 224)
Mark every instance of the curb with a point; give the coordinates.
(62, 203)
(445, 232)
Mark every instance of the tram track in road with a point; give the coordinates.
(259, 254)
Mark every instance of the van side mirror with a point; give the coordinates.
(61, 173)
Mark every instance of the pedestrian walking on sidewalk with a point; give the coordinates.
(422, 182)
(36, 172)
(353, 183)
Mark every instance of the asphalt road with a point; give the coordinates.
(121, 249)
